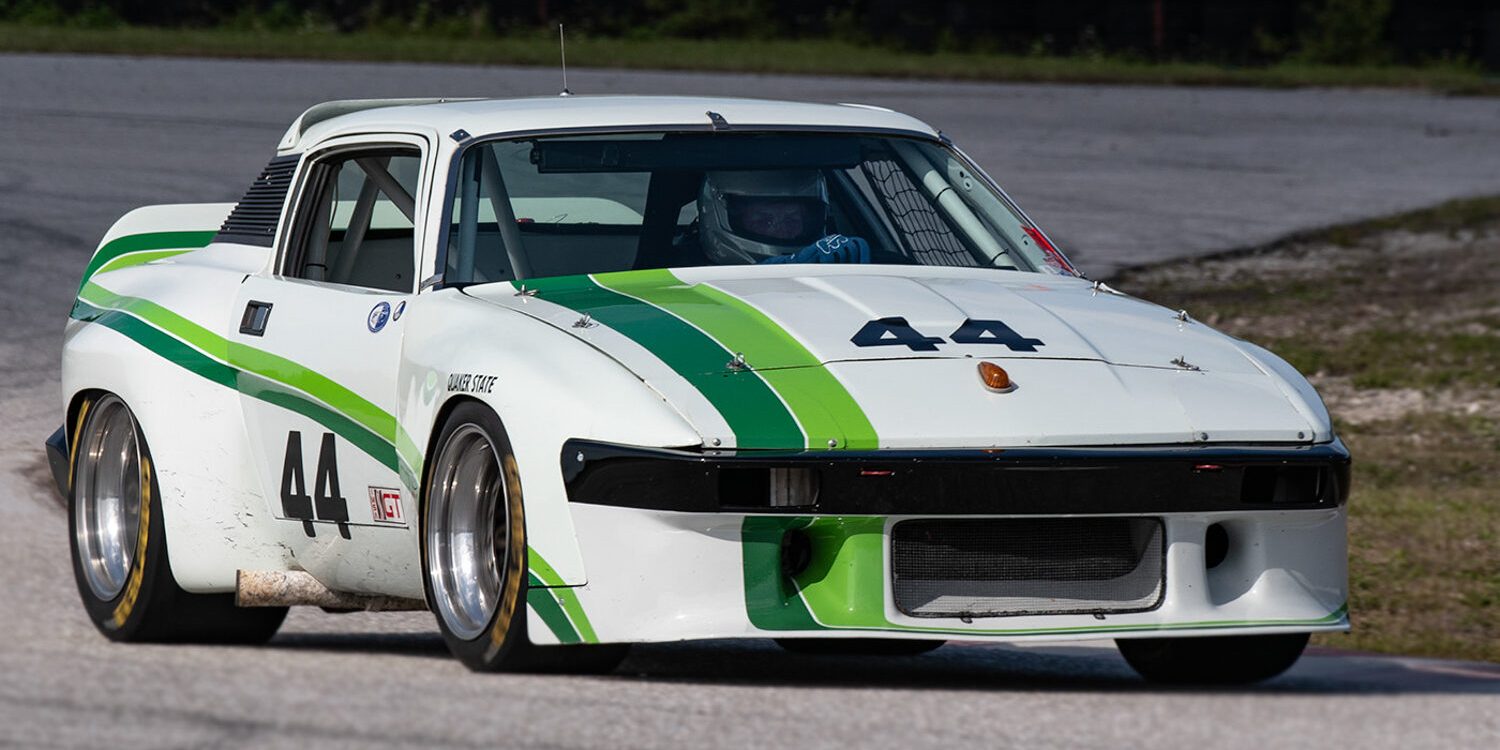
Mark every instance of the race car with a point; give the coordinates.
(580, 372)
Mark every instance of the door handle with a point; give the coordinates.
(257, 314)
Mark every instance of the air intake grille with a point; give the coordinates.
(999, 567)
(253, 220)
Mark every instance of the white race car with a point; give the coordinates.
(581, 372)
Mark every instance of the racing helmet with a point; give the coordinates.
(747, 217)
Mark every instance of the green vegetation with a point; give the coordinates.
(739, 55)
(1397, 322)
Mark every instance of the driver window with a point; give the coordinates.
(355, 221)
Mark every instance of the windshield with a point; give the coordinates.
(593, 204)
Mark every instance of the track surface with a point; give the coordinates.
(1119, 175)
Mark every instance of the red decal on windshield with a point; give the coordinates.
(1054, 258)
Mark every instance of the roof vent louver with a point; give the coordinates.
(253, 220)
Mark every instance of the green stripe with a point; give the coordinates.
(135, 243)
(547, 576)
(363, 424)
(755, 414)
(540, 599)
(367, 426)
(771, 599)
(410, 454)
(250, 359)
(161, 344)
(135, 259)
(192, 360)
(819, 401)
(361, 438)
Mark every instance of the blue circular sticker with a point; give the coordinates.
(401, 308)
(378, 316)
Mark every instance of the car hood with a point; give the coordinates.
(887, 356)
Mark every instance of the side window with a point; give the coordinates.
(354, 221)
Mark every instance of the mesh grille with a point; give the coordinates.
(991, 568)
(931, 240)
(253, 220)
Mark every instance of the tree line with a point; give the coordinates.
(1229, 31)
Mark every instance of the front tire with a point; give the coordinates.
(119, 543)
(1216, 660)
(474, 553)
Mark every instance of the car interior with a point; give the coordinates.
(618, 203)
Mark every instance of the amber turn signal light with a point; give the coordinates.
(995, 377)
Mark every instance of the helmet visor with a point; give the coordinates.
(776, 219)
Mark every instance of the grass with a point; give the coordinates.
(776, 56)
(1425, 537)
(1397, 321)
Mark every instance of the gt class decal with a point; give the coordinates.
(385, 506)
(897, 332)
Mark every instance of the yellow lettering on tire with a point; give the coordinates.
(83, 411)
(138, 569)
(515, 557)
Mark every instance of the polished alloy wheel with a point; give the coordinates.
(108, 497)
(468, 530)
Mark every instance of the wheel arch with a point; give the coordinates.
(215, 517)
(549, 526)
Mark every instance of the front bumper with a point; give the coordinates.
(667, 560)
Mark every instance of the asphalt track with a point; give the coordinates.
(1120, 175)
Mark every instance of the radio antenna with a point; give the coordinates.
(562, 48)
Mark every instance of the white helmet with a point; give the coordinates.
(746, 217)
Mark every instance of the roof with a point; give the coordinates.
(482, 117)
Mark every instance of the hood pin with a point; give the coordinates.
(1182, 362)
(738, 364)
(587, 321)
(524, 292)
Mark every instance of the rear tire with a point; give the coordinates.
(1217, 660)
(857, 646)
(119, 543)
(474, 554)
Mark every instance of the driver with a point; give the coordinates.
(776, 216)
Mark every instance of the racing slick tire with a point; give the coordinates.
(119, 543)
(857, 646)
(474, 564)
(1215, 660)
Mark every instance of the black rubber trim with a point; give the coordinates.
(57, 459)
(1013, 481)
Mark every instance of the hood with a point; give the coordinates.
(885, 356)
